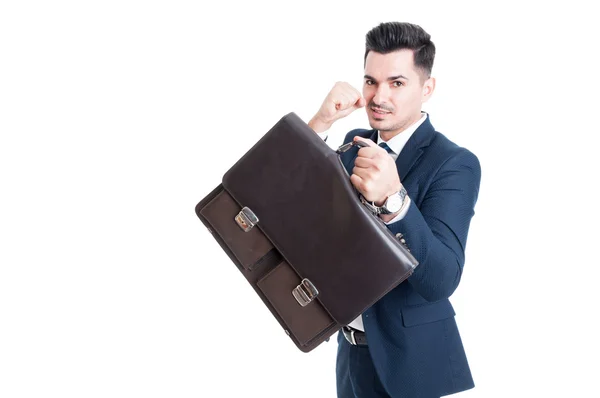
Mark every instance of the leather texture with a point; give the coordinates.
(311, 225)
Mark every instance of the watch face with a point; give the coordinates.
(394, 203)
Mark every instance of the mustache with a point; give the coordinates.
(380, 107)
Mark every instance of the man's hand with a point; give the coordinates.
(375, 174)
(342, 100)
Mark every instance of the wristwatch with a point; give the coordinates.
(392, 204)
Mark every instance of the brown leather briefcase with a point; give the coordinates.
(289, 218)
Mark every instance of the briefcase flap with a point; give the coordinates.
(298, 190)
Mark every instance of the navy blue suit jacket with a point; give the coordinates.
(412, 334)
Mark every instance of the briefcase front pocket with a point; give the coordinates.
(247, 246)
(304, 323)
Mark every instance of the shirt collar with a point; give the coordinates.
(397, 142)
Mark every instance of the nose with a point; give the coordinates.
(382, 95)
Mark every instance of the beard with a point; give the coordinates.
(382, 124)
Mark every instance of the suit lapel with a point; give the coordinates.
(413, 149)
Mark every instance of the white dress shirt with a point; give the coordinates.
(396, 144)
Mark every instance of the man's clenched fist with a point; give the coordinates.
(342, 100)
(375, 174)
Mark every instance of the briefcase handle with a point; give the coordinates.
(345, 147)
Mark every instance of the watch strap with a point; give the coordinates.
(382, 209)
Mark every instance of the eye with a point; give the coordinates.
(398, 83)
(369, 82)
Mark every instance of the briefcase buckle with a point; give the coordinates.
(305, 292)
(246, 219)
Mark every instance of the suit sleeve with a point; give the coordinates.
(436, 231)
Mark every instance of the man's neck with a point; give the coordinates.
(388, 135)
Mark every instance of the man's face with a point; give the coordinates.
(394, 90)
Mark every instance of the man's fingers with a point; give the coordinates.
(356, 99)
(357, 181)
(372, 150)
(365, 140)
(362, 183)
(342, 100)
(364, 173)
(364, 162)
(369, 152)
(348, 101)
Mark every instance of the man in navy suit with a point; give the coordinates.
(424, 187)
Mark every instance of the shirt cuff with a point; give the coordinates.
(402, 213)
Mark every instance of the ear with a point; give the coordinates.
(428, 88)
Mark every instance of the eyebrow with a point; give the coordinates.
(389, 78)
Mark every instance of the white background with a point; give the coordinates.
(117, 117)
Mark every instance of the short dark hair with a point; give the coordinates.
(392, 36)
